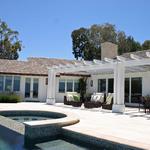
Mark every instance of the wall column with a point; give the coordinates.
(51, 87)
(119, 74)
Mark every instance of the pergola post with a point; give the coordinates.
(51, 87)
(119, 74)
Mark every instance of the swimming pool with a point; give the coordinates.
(10, 140)
(44, 130)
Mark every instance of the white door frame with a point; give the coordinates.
(31, 98)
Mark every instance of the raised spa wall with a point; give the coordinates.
(34, 131)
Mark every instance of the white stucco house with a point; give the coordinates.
(44, 79)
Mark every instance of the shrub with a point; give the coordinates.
(9, 98)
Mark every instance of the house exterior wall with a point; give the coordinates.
(90, 89)
(42, 89)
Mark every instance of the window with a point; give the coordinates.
(110, 85)
(102, 85)
(76, 86)
(62, 86)
(69, 85)
(1, 83)
(16, 86)
(8, 83)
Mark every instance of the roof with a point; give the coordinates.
(39, 66)
(33, 66)
(139, 53)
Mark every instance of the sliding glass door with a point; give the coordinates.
(133, 88)
(136, 89)
(111, 85)
(127, 90)
(35, 88)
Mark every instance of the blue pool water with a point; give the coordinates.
(28, 118)
(10, 140)
(59, 144)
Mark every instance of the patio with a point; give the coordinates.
(131, 128)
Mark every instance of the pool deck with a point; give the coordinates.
(131, 128)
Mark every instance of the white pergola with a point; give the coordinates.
(118, 66)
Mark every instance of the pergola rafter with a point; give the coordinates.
(135, 57)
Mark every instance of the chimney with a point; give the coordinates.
(108, 50)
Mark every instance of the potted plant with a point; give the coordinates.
(82, 88)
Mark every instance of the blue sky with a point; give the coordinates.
(45, 26)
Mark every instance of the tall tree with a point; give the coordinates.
(121, 40)
(10, 45)
(132, 45)
(146, 45)
(87, 41)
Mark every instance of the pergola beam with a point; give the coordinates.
(83, 68)
(148, 54)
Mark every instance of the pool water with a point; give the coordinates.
(59, 145)
(28, 118)
(10, 140)
(17, 144)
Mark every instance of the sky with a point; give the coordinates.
(45, 26)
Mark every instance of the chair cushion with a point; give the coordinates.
(109, 98)
(97, 97)
(70, 96)
(76, 98)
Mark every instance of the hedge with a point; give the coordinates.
(9, 98)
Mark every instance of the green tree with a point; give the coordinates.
(121, 40)
(146, 45)
(80, 41)
(132, 45)
(10, 45)
(87, 41)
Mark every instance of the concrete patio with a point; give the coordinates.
(131, 128)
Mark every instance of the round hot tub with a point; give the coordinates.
(26, 116)
(36, 124)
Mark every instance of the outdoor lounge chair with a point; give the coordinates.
(96, 101)
(108, 102)
(145, 101)
(72, 98)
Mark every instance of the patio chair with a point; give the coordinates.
(72, 98)
(108, 102)
(145, 101)
(96, 101)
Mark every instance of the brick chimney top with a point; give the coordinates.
(109, 50)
